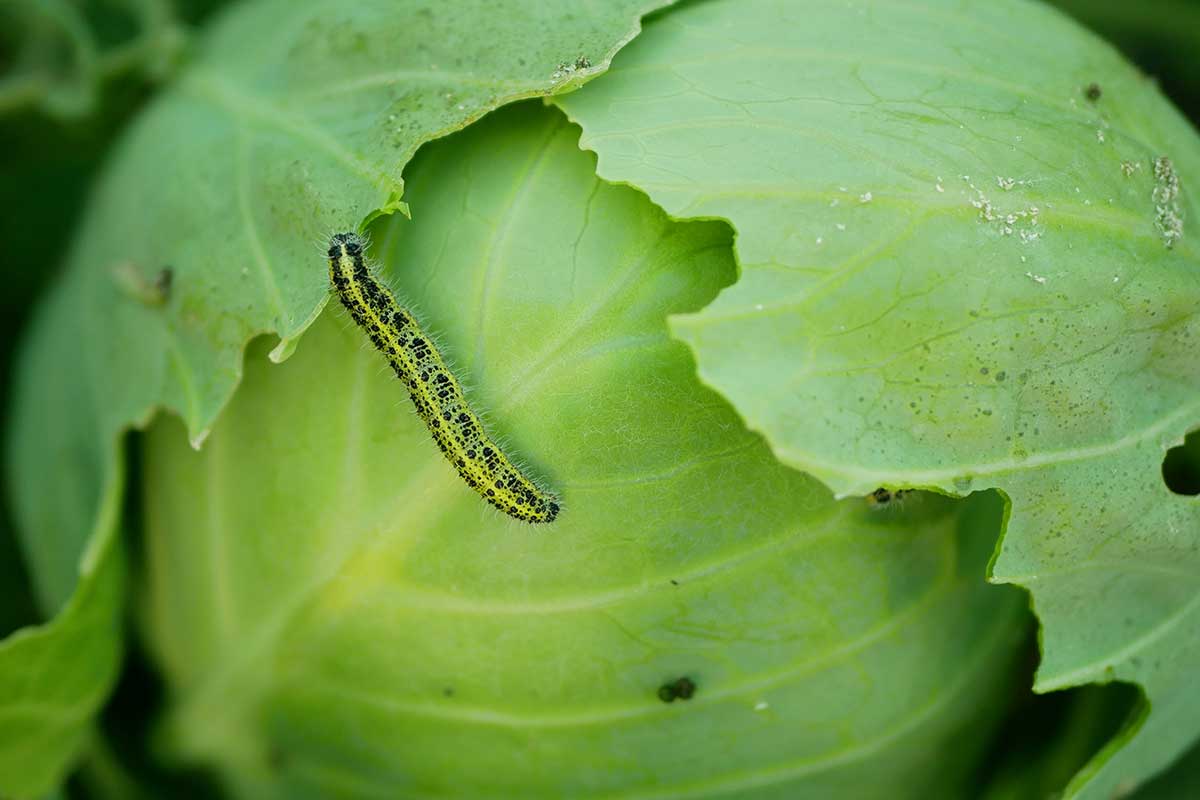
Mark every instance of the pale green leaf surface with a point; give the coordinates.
(949, 280)
(338, 615)
(294, 120)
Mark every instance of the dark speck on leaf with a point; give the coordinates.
(679, 689)
(1093, 92)
(163, 281)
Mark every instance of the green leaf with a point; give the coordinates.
(293, 120)
(1180, 782)
(53, 677)
(336, 613)
(956, 274)
(1161, 36)
(1049, 738)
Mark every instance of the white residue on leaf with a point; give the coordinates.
(1130, 167)
(1168, 215)
(567, 70)
(1035, 278)
(1020, 221)
(1100, 136)
(982, 204)
(865, 197)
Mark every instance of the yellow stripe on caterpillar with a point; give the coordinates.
(435, 392)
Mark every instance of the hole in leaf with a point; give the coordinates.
(1181, 467)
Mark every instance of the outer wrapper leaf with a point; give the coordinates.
(294, 120)
(53, 677)
(955, 274)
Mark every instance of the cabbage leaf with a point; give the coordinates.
(966, 263)
(293, 120)
(338, 615)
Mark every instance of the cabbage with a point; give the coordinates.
(776, 257)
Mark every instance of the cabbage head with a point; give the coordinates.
(851, 334)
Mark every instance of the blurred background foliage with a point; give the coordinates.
(72, 74)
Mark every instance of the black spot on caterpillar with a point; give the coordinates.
(435, 392)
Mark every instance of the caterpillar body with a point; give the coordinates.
(435, 392)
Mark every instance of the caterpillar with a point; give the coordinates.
(435, 392)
